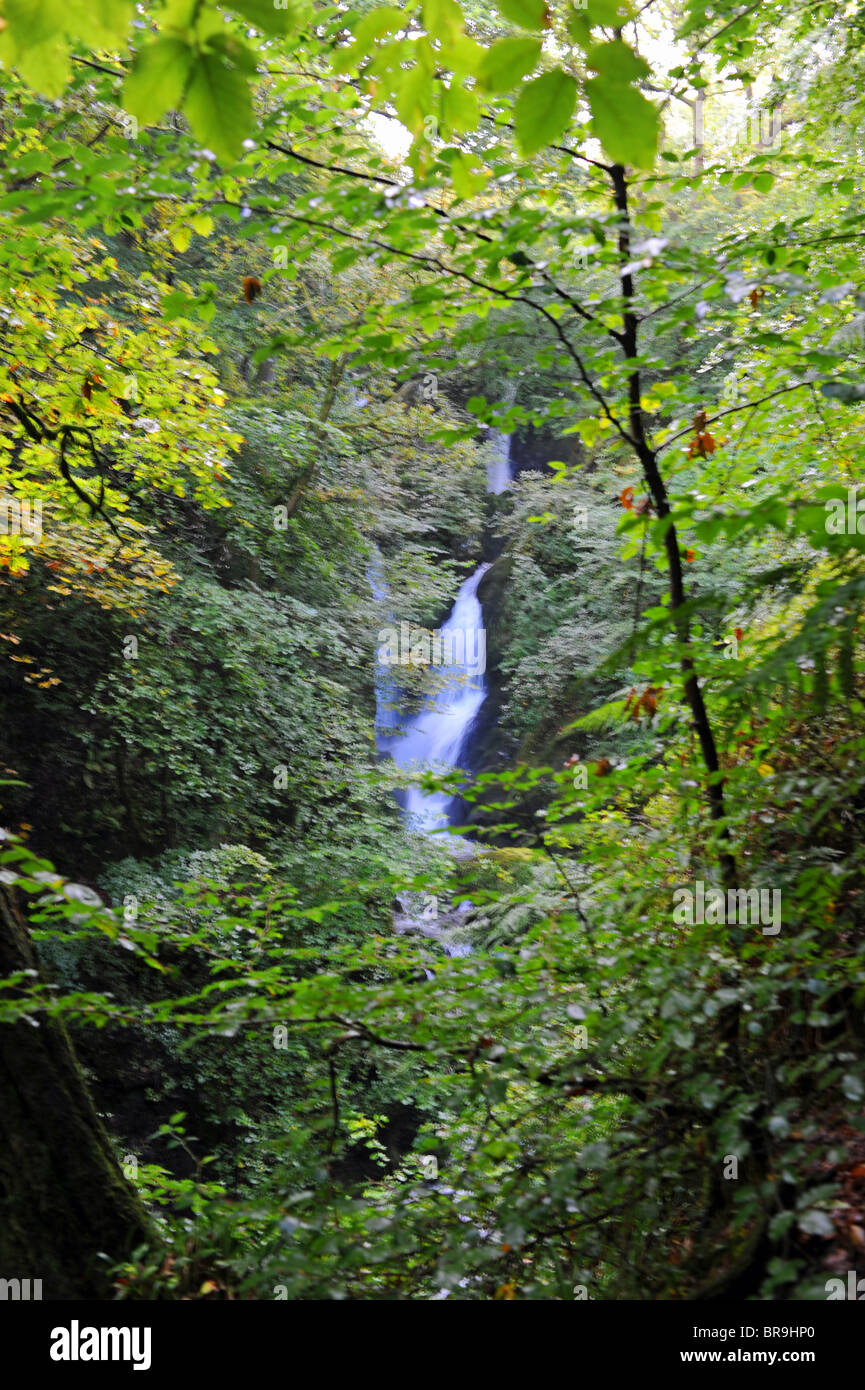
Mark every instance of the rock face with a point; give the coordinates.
(420, 390)
(533, 450)
(482, 750)
(485, 741)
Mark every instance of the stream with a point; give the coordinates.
(439, 735)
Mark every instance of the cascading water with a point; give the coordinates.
(437, 734)
(499, 469)
(499, 472)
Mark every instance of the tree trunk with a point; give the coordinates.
(648, 458)
(63, 1199)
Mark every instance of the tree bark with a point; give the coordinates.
(63, 1198)
(692, 689)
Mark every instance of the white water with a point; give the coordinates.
(499, 470)
(437, 735)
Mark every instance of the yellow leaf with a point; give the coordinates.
(180, 237)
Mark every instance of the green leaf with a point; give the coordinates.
(386, 19)
(272, 19)
(531, 14)
(781, 1222)
(610, 13)
(544, 109)
(624, 121)
(33, 23)
(99, 21)
(616, 61)
(464, 172)
(33, 42)
(238, 54)
(415, 98)
(443, 18)
(218, 105)
(159, 74)
(463, 55)
(607, 14)
(579, 28)
(35, 39)
(508, 62)
(816, 1223)
(45, 67)
(459, 109)
(179, 14)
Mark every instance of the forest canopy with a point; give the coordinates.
(537, 324)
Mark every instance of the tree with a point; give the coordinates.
(532, 163)
(64, 1202)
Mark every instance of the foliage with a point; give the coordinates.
(601, 1094)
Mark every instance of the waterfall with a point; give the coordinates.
(499, 473)
(437, 734)
(499, 470)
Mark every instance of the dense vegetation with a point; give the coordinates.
(275, 282)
